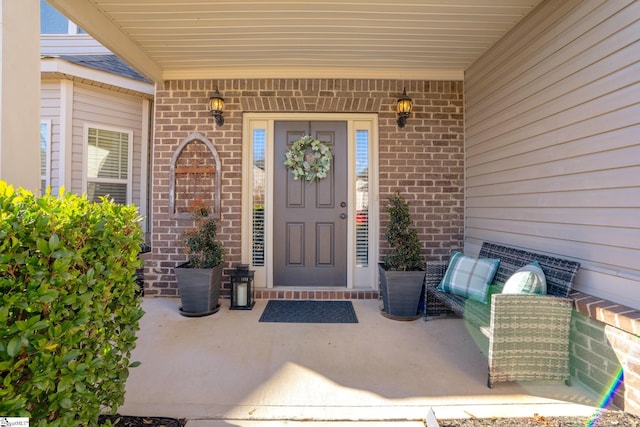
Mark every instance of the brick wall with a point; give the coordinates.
(593, 360)
(605, 350)
(424, 160)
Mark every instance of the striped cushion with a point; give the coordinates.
(469, 277)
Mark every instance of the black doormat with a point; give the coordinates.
(296, 311)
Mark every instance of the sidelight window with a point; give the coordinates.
(362, 198)
(258, 172)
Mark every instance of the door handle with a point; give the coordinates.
(343, 215)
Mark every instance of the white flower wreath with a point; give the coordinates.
(308, 158)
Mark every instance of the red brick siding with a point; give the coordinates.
(424, 160)
(605, 342)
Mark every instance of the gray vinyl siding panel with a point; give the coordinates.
(100, 107)
(552, 124)
(50, 110)
(70, 44)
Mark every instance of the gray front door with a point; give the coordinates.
(310, 225)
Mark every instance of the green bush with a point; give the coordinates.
(405, 252)
(202, 246)
(68, 306)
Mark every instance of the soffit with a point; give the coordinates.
(405, 39)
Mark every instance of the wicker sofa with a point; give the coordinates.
(528, 335)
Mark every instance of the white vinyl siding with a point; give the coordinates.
(80, 44)
(103, 109)
(50, 112)
(552, 121)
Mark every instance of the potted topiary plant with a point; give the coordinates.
(199, 279)
(402, 270)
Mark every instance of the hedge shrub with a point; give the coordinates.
(68, 306)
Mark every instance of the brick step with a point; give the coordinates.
(315, 294)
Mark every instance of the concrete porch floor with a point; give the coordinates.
(228, 369)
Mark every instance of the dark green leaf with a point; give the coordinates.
(54, 242)
(70, 355)
(14, 345)
(66, 403)
(43, 246)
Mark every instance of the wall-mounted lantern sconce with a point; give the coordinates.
(216, 106)
(403, 106)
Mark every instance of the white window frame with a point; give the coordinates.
(72, 28)
(85, 160)
(47, 152)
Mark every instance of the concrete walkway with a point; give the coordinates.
(230, 370)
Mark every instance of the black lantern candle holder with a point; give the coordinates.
(242, 288)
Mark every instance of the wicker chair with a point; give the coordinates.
(528, 335)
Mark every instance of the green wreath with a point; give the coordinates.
(309, 159)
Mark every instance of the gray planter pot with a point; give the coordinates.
(199, 289)
(401, 292)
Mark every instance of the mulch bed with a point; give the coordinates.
(130, 421)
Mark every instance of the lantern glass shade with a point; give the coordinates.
(216, 103)
(216, 106)
(404, 104)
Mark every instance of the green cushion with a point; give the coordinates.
(469, 277)
(479, 313)
(527, 280)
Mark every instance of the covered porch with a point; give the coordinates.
(229, 369)
(539, 147)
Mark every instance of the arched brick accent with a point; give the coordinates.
(195, 176)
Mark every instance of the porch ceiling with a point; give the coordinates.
(409, 39)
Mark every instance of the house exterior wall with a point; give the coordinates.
(96, 107)
(553, 142)
(50, 103)
(101, 107)
(424, 160)
(552, 123)
(70, 44)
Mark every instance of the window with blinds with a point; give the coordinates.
(362, 198)
(45, 155)
(108, 165)
(259, 146)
